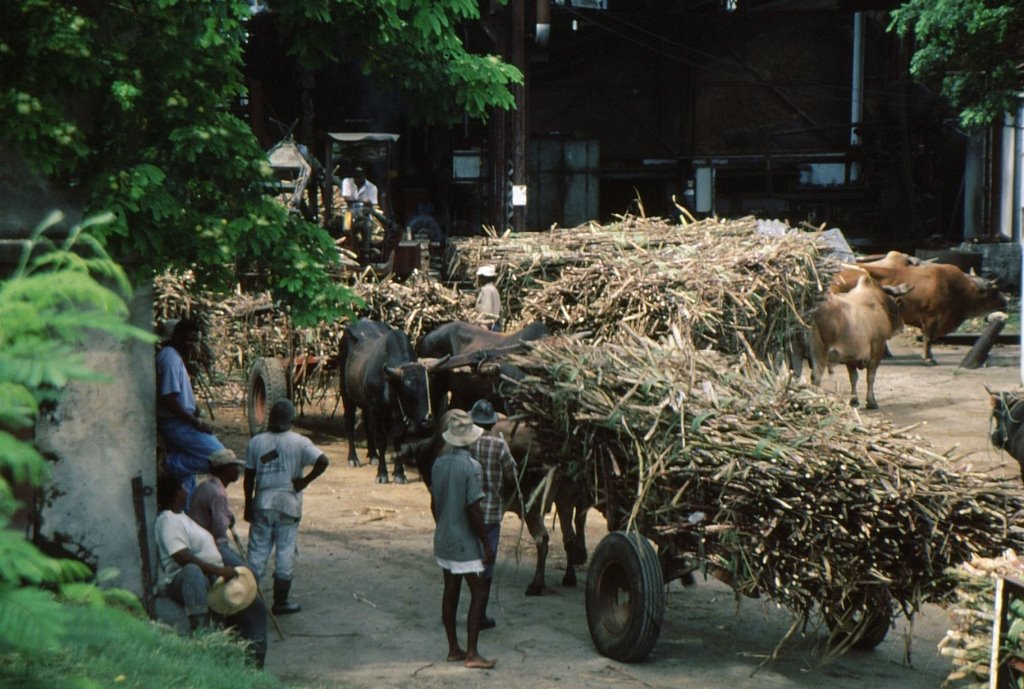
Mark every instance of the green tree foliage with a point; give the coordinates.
(54, 299)
(969, 44)
(129, 104)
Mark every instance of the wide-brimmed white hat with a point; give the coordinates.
(487, 271)
(461, 430)
(229, 597)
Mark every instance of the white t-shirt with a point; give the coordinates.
(366, 193)
(277, 458)
(176, 531)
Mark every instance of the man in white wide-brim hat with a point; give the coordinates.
(460, 539)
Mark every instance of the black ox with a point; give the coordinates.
(1008, 424)
(381, 375)
(480, 381)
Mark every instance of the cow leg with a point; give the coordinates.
(372, 438)
(852, 370)
(534, 520)
(929, 357)
(872, 369)
(378, 445)
(399, 470)
(579, 521)
(350, 428)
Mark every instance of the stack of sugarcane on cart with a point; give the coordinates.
(677, 419)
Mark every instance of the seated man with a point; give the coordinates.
(358, 189)
(190, 565)
(188, 439)
(209, 505)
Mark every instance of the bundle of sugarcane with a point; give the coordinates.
(240, 328)
(719, 283)
(969, 643)
(785, 488)
(415, 306)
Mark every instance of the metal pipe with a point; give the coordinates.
(857, 89)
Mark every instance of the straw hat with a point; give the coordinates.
(461, 430)
(487, 271)
(227, 598)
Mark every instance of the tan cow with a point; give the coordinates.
(852, 329)
(943, 296)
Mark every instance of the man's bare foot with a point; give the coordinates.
(480, 663)
(457, 654)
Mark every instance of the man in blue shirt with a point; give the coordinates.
(188, 439)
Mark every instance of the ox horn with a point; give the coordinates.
(980, 282)
(434, 364)
(393, 372)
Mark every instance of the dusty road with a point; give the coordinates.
(371, 592)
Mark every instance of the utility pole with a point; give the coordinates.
(519, 117)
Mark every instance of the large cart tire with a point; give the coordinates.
(865, 617)
(625, 597)
(268, 383)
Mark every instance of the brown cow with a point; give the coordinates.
(942, 296)
(852, 329)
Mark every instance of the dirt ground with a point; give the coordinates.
(371, 592)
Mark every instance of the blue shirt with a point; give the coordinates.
(172, 379)
(456, 484)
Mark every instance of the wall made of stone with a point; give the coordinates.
(102, 435)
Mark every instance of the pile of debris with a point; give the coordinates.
(244, 326)
(786, 489)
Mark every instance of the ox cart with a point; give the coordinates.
(776, 490)
(300, 378)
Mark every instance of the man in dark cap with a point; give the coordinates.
(188, 439)
(273, 487)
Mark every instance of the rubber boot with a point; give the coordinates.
(198, 622)
(487, 622)
(281, 604)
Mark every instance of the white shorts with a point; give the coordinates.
(467, 567)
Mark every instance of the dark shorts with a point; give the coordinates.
(493, 536)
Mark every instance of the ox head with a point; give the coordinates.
(989, 296)
(410, 384)
(1007, 417)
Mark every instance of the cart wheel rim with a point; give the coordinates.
(259, 401)
(614, 601)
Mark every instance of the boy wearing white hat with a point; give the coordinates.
(488, 301)
(460, 539)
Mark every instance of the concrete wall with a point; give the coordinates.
(102, 434)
